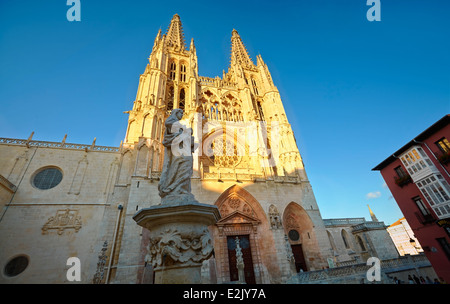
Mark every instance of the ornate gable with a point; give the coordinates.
(235, 202)
(238, 217)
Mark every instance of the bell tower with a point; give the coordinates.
(168, 82)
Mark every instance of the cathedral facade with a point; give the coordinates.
(62, 200)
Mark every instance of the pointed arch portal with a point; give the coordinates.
(244, 218)
(300, 231)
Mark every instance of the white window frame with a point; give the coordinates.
(417, 163)
(436, 191)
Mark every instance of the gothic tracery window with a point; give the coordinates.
(170, 99)
(260, 111)
(224, 152)
(255, 88)
(173, 71)
(183, 73)
(182, 99)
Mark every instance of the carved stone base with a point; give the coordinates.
(179, 240)
(179, 275)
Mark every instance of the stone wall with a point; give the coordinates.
(70, 220)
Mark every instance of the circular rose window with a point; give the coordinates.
(47, 178)
(16, 266)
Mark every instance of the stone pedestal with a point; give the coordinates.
(179, 240)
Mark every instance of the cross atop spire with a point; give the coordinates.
(238, 50)
(175, 36)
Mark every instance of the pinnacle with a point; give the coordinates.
(238, 49)
(174, 33)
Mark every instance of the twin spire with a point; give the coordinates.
(175, 37)
(238, 51)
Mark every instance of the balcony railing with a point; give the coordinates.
(425, 219)
(402, 181)
(444, 158)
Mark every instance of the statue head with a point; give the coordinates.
(178, 113)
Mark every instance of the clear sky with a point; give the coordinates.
(354, 91)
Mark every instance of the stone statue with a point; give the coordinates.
(175, 182)
(240, 261)
(179, 239)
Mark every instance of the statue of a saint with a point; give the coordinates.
(175, 182)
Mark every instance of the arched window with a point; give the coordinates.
(260, 111)
(182, 99)
(170, 99)
(361, 243)
(330, 237)
(345, 238)
(183, 73)
(173, 71)
(154, 127)
(255, 88)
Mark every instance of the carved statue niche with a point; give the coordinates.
(274, 218)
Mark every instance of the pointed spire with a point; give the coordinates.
(157, 39)
(238, 51)
(175, 36)
(192, 46)
(259, 61)
(372, 215)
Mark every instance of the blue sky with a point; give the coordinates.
(354, 91)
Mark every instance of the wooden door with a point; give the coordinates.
(244, 243)
(300, 263)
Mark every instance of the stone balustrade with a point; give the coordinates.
(62, 145)
(356, 273)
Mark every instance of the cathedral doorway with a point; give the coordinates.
(299, 257)
(301, 235)
(242, 217)
(244, 243)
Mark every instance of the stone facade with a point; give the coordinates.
(355, 240)
(246, 163)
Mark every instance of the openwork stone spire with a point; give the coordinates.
(238, 51)
(175, 36)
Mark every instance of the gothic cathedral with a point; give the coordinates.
(79, 200)
(247, 161)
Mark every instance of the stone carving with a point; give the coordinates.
(171, 248)
(291, 221)
(175, 182)
(290, 255)
(64, 219)
(275, 218)
(239, 261)
(100, 273)
(234, 203)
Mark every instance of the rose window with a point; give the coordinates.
(224, 155)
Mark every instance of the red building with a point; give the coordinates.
(418, 177)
